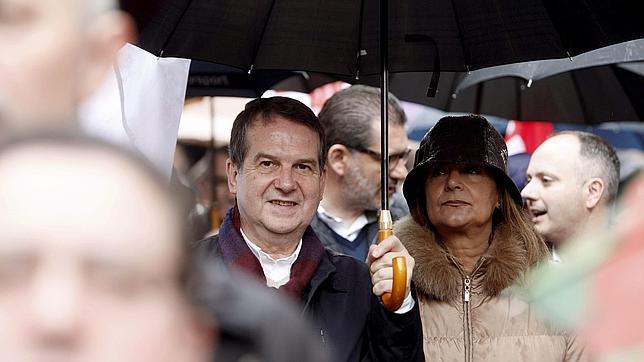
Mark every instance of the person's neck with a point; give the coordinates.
(596, 218)
(334, 208)
(599, 216)
(276, 245)
(467, 247)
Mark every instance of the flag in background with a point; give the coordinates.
(525, 137)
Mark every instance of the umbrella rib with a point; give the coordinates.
(466, 53)
(174, 28)
(261, 37)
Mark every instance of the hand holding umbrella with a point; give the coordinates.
(388, 263)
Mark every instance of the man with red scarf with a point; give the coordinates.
(276, 171)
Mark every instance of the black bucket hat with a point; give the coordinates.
(467, 139)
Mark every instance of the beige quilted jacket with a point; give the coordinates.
(480, 316)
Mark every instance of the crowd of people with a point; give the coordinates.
(100, 262)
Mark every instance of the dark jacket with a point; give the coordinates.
(254, 323)
(351, 321)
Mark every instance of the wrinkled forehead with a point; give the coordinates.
(89, 202)
(273, 128)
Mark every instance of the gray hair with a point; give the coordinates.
(598, 159)
(349, 115)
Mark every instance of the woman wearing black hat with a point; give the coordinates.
(472, 243)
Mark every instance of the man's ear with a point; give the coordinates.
(593, 191)
(337, 159)
(231, 174)
(106, 35)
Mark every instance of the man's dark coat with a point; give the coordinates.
(351, 320)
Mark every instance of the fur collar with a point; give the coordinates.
(436, 275)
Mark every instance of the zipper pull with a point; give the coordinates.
(322, 335)
(466, 289)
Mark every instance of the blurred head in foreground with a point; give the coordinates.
(93, 261)
(55, 54)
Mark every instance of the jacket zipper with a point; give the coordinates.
(467, 321)
(467, 283)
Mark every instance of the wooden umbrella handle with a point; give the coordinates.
(394, 300)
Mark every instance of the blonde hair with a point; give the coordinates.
(515, 217)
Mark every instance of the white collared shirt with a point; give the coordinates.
(555, 256)
(276, 271)
(349, 232)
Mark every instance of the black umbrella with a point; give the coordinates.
(353, 37)
(630, 51)
(586, 96)
(589, 96)
(577, 90)
(342, 36)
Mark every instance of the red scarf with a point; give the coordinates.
(237, 254)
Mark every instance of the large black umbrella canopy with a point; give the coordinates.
(341, 36)
(345, 37)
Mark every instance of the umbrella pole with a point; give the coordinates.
(393, 300)
(384, 104)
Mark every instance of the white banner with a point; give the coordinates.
(140, 105)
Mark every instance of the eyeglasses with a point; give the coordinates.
(394, 158)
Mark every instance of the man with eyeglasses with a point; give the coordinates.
(346, 219)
